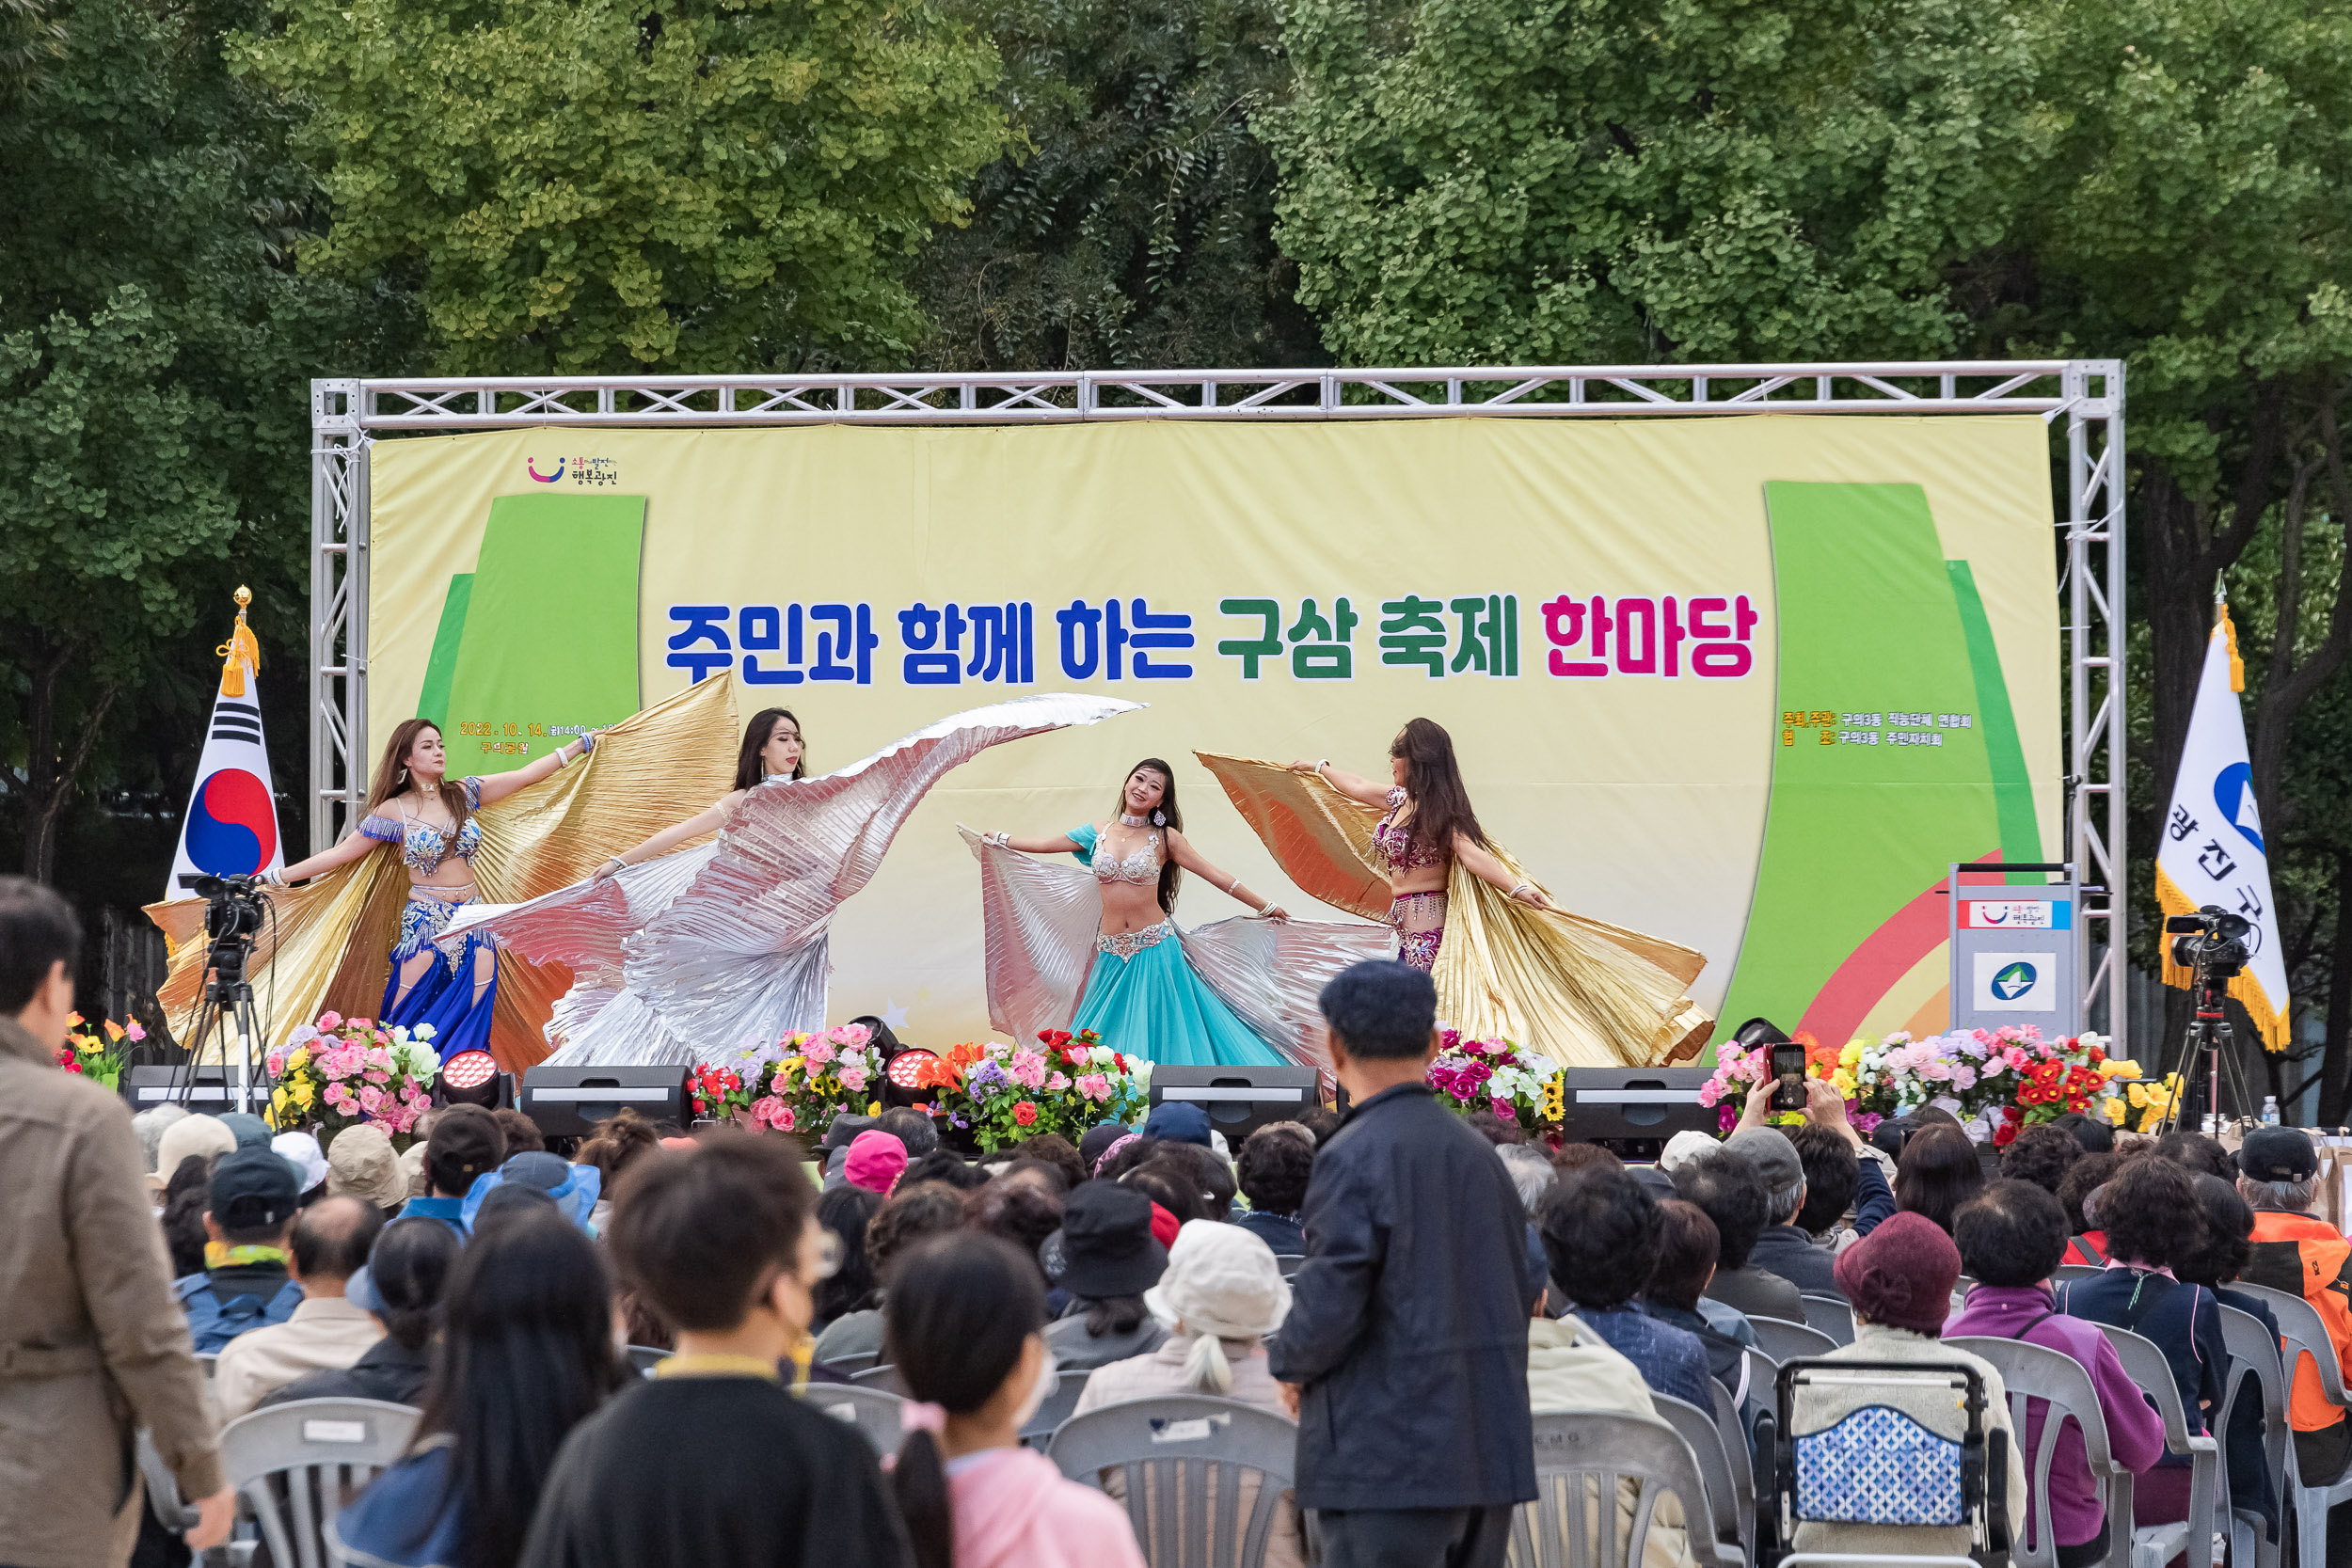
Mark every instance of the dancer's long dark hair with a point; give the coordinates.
(526, 1353)
(392, 774)
(1433, 782)
(1166, 816)
(756, 738)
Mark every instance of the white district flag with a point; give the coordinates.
(2211, 851)
(231, 829)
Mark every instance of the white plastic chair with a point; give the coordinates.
(1731, 1510)
(850, 1365)
(1786, 1341)
(295, 1465)
(2036, 1371)
(2154, 1546)
(1168, 1448)
(1581, 1456)
(2301, 1332)
(2254, 1356)
(885, 1377)
(873, 1411)
(1830, 1315)
(1056, 1410)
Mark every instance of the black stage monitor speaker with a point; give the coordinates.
(568, 1101)
(1239, 1100)
(1633, 1111)
(204, 1090)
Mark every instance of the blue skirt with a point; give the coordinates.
(443, 996)
(1153, 1006)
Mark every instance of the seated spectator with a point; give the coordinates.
(2096, 1137)
(1780, 1247)
(1576, 1156)
(1172, 1188)
(1570, 1367)
(186, 1196)
(1498, 1131)
(2156, 1222)
(712, 1460)
(400, 1286)
(1725, 1185)
(189, 1137)
(149, 1125)
(833, 1147)
(1841, 1172)
(2200, 1154)
(1019, 1208)
(1321, 1120)
(914, 1129)
(1218, 1186)
(1106, 1257)
(1601, 1232)
(1899, 1278)
(2010, 1238)
(466, 1143)
(1276, 1161)
(964, 1322)
(875, 1162)
(942, 1166)
(1124, 1155)
(1224, 1293)
(522, 1133)
(2229, 1247)
(845, 1212)
(526, 1353)
(2087, 1246)
(910, 1213)
(302, 1151)
(1687, 1249)
(360, 1164)
(1042, 1174)
(572, 1189)
(324, 1332)
(1178, 1121)
(1059, 1152)
(1937, 1172)
(1095, 1142)
(2041, 1154)
(248, 1222)
(249, 1130)
(2297, 1252)
(1531, 1172)
(619, 1142)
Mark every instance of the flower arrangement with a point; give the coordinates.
(1490, 1075)
(1063, 1083)
(817, 1077)
(99, 1053)
(719, 1093)
(1994, 1081)
(342, 1073)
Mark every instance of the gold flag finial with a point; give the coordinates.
(239, 651)
(244, 598)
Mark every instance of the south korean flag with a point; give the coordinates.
(2213, 851)
(231, 829)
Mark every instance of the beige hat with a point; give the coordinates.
(1221, 1280)
(360, 1164)
(204, 1136)
(1686, 1146)
(412, 1166)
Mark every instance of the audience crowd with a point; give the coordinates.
(1412, 1288)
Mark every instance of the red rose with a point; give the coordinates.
(2004, 1135)
(1120, 1061)
(1024, 1113)
(2012, 1113)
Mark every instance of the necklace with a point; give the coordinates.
(1127, 822)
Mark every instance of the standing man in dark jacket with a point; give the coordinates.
(1404, 1354)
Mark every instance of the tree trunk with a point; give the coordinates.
(50, 776)
(2334, 1075)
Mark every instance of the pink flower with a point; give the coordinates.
(820, 1052)
(378, 1075)
(853, 1077)
(331, 1020)
(1094, 1086)
(1712, 1092)
(370, 1100)
(1027, 1069)
(134, 1031)
(276, 1062)
(1058, 1082)
(853, 1036)
(362, 1023)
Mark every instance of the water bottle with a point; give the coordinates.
(2270, 1110)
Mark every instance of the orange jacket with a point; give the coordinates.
(2305, 1256)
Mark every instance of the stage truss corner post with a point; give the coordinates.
(339, 609)
(2097, 751)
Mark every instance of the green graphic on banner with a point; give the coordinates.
(2013, 785)
(1883, 772)
(433, 701)
(549, 639)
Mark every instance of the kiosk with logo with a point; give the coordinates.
(2016, 949)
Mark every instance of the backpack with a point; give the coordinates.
(214, 1319)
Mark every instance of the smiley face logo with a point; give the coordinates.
(530, 466)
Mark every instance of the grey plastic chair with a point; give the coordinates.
(1056, 1410)
(1830, 1315)
(1737, 1446)
(2157, 1545)
(1580, 1455)
(1290, 1262)
(2036, 1371)
(885, 1378)
(872, 1411)
(1168, 1448)
(2302, 1333)
(2255, 1372)
(645, 1358)
(207, 1360)
(172, 1511)
(850, 1365)
(295, 1465)
(1786, 1341)
(2066, 1271)
(1733, 1516)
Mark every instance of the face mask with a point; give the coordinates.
(1048, 1378)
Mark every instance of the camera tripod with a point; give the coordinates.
(2208, 1032)
(227, 1008)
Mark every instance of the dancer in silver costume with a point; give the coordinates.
(706, 947)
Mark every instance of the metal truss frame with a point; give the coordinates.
(348, 416)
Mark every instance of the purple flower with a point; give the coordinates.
(1726, 1120)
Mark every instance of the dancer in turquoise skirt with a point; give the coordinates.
(1141, 995)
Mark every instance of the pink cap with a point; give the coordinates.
(876, 1160)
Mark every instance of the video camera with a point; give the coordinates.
(2212, 940)
(235, 909)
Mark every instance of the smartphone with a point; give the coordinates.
(1788, 1076)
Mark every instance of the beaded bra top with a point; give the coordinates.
(424, 847)
(1141, 868)
(1394, 845)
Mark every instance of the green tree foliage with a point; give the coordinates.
(603, 185)
(1556, 182)
(1135, 226)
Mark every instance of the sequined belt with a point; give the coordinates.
(1126, 944)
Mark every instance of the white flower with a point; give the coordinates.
(422, 1032)
(303, 1034)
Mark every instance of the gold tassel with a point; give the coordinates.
(241, 650)
(2237, 665)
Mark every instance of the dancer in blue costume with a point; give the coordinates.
(1141, 995)
(413, 803)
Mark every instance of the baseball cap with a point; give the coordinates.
(2278, 1154)
(361, 1163)
(1773, 1155)
(253, 1189)
(1178, 1121)
(466, 1141)
(249, 1130)
(301, 1151)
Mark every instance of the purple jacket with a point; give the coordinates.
(2135, 1431)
